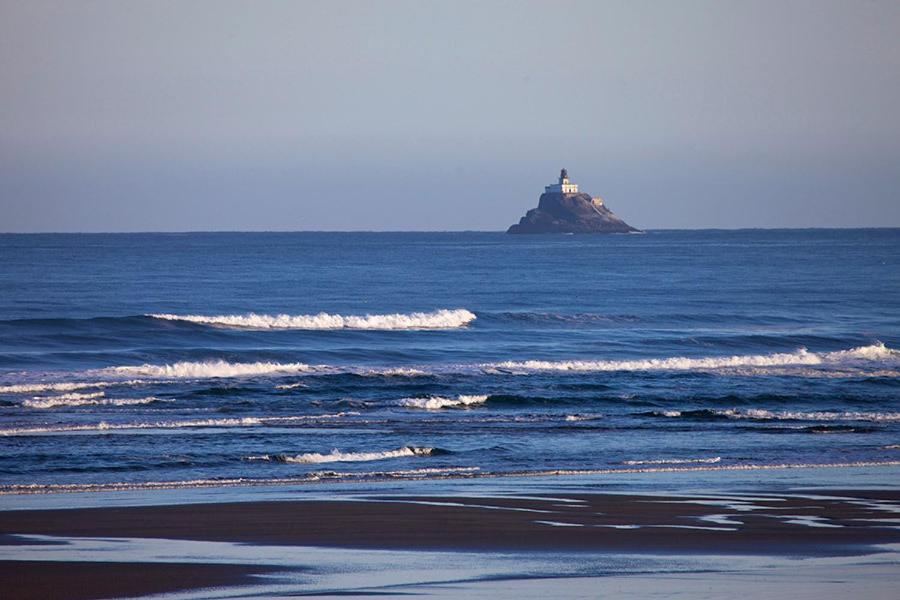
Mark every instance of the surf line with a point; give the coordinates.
(453, 473)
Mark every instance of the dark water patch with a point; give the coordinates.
(583, 387)
(512, 401)
(811, 429)
(57, 325)
(354, 404)
(578, 320)
(236, 406)
(218, 391)
(839, 429)
(727, 400)
(116, 464)
(879, 381)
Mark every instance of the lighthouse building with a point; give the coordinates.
(564, 186)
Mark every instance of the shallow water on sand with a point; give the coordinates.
(330, 572)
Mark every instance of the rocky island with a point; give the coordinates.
(562, 209)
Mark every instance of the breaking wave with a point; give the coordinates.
(438, 402)
(760, 414)
(876, 352)
(393, 372)
(314, 477)
(290, 386)
(95, 399)
(338, 456)
(103, 426)
(574, 320)
(577, 418)
(37, 388)
(448, 473)
(439, 319)
(673, 461)
(206, 370)
(863, 358)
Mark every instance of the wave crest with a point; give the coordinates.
(449, 472)
(876, 352)
(438, 402)
(37, 388)
(786, 415)
(104, 426)
(207, 370)
(761, 414)
(338, 456)
(673, 461)
(577, 418)
(439, 319)
(95, 399)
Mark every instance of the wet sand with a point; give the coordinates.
(84, 580)
(732, 524)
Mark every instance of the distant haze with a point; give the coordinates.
(143, 116)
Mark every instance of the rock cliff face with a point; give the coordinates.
(570, 213)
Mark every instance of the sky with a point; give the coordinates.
(422, 115)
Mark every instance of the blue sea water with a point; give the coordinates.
(143, 360)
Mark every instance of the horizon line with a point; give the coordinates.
(655, 229)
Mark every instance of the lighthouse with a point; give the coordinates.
(563, 209)
(564, 186)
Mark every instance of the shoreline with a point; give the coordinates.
(775, 526)
(385, 477)
(739, 523)
(473, 522)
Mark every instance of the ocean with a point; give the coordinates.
(143, 361)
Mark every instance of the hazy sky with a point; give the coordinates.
(144, 116)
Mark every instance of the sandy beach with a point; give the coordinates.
(836, 523)
(85, 580)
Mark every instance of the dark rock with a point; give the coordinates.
(570, 213)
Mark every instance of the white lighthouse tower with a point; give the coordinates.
(564, 186)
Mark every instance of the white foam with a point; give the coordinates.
(37, 388)
(74, 397)
(807, 521)
(338, 456)
(825, 363)
(720, 519)
(439, 319)
(291, 419)
(206, 370)
(466, 472)
(393, 372)
(573, 418)
(419, 472)
(95, 399)
(785, 415)
(703, 468)
(51, 488)
(104, 426)
(673, 461)
(290, 386)
(437, 402)
(876, 352)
